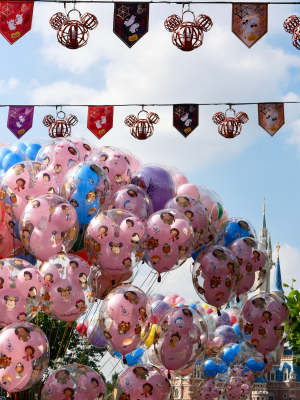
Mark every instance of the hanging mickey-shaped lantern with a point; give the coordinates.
(292, 25)
(188, 35)
(61, 126)
(73, 34)
(230, 127)
(142, 128)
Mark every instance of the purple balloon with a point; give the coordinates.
(227, 332)
(94, 335)
(160, 307)
(223, 319)
(157, 182)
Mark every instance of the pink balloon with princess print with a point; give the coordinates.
(115, 163)
(59, 155)
(85, 147)
(126, 318)
(133, 199)
(236, 387)
(142, 381)
(261, 322)
(114, 241)
(22, 183)
(70, 287)
(216, 275)
(48, 226)
(23, 346)
(252, 258)
(181, 338)
(76, 382)
(208, 389)
(197, 214)
(170, 240)
(21, 291)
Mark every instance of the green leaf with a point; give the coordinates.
(293, 280)
(285, 285)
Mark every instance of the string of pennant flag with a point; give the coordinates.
(185, 119)
(131, 23)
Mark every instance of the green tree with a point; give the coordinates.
(293, 325)
(110, 385)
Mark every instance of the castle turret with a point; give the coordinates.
(263, 237)
(277, 282)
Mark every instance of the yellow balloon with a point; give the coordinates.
(150, 338)
(206, 306)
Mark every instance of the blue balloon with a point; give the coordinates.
(221, 368)
(32, 150)
(21, 145)
(10, 160)
(210, 373)
(3, 153)
(193, 305)
(232, 231)
(180, 304)
(237, 331)
(209, 365)
(117, 354)
(236, 348)
(254, 365)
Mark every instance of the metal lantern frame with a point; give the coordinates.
(230, 127)
(71, 33)
(142, 128)
(292, 25)
(61, 126)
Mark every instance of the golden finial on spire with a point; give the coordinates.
(278, 248)
(264, 207)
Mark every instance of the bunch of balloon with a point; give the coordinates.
(24, 356)
(181, 338)
(9, 156)
(21, 291)
(126, 311)
(70, 287)
(59, 155)
(252, 258)
(30, 146)
(48, 226)
(197, 214)
(216, 276)
(115, 241)
(170, 240)
(133, 199)
(116, 165)
(74, 381)
(261, 323)
(142, 381)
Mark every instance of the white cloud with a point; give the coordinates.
(6, 86)
(289, 264)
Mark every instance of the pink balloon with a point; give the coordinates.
(181, 338)
(85, 147)
(114, 241)
(48, 225)
(126, 318)
(188, 189)
(85, 384)
(115, 163)
(25, 356)
(21, 291)
(179, 300)
(170, 238)
(105, 285)
(261, 322)
(6, 238)
(216, 275)
(133, 199)
(142, 381)
(235, 387)
(59, 155)
(208, 389)
(70, 287)
(197, 214)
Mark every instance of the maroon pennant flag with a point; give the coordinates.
(271, 117)
(131, 21)
(249, 21)
(100, 120)
(15, 19)
(20, 119)
(185, 118)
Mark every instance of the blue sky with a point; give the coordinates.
(244, 170)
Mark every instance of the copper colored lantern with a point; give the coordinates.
(292, 25)
(61, 126)
(72, 33)
(142, 128)
(230, 127)
(188, 35)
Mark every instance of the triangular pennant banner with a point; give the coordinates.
(131, 21)
(249, 21)
(15, 19)
(100, 120)
(271, 117)
(185, 118)
(20, 119)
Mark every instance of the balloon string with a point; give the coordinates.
(68, 341)
(49, 337)
(146, 279)
(63, 339)
(56, 333)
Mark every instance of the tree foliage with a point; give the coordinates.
(293, 302)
